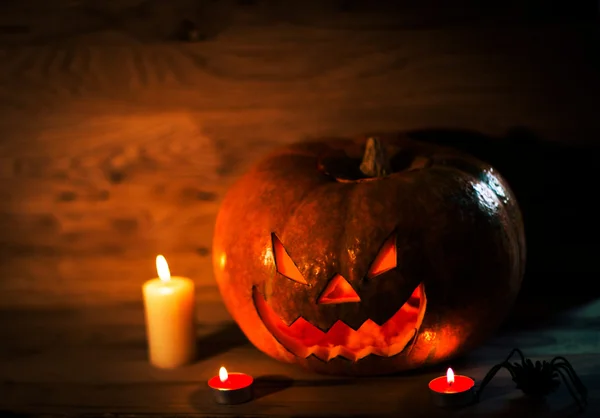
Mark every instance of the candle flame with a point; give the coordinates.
(223, 374)
(450, 376)
(162, 268)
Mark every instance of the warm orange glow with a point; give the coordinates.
(450, 376)
(162, 268)
(385, 260)
(304, 339)
(446, 342)
(429, 336)
(222, 260)
(223, 375)
(338, 291)
(284, 263)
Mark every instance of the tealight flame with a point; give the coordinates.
(450, 376)
(223, 374)
(162, 268)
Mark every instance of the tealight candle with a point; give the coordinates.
(170, 318)
(231, 388)
(452, 390)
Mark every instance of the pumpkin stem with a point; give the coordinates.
(375, 162)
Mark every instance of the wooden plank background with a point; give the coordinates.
(114, 149)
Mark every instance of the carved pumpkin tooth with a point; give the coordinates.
(375, 351)
(340, 339)
(326, 353)
(347, 353)
(332, 230)
(335, 352)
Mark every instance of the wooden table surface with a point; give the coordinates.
(93, 362)
(117, 144)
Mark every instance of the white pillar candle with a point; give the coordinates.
(170, 318)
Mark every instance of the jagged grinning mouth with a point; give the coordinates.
(303, 339)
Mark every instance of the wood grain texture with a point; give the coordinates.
(93, 361)
(117, 143)
(114, 150)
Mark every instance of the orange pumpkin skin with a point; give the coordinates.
(459, 241)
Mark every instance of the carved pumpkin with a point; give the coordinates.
(347, 273)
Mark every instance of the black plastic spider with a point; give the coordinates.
(540, 378)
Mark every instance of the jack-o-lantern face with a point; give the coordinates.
(384, 332)
(347, 274)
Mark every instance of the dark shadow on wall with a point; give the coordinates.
(556, 185)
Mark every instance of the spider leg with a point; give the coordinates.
(517, 351)
(580, 402)
(574, 380)
(520, 353)
(512, 372)
(573, 376)
(561, 362)
(490, 375)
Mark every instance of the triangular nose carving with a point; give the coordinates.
(338, 291)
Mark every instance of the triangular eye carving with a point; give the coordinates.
(284, 264)
(386, 259)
